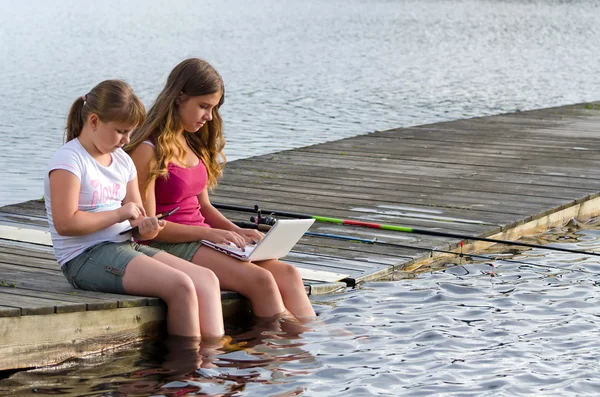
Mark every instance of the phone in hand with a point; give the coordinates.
(159, 217)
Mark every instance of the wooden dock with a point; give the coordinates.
(500, 176)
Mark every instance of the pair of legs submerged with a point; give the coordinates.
(192, 293)
(274, 288)
(192, 290)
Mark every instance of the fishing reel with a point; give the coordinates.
(260, 222)
(261, 219)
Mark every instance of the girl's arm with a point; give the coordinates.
(147, 228)
(213, 216)
(68, 219)
(142, 157)
(217, 220)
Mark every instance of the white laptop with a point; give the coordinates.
(276, 243)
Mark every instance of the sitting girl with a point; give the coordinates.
(178, 156)
(92, 196)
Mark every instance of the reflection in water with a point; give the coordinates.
(180, 366)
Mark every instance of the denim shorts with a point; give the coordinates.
(184, 251)
(101, 267)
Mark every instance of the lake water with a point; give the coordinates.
(296, 72)
(299, 73)
(517, 328)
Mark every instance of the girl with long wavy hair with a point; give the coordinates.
(178, 153)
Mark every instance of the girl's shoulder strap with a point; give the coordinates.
(149, 143)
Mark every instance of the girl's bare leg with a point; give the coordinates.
(208, 294)
(246, 278)
(149, 277)
(291, 286)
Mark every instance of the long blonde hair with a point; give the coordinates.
(192, 77)
(110, 100)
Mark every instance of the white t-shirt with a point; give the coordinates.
(102, 189)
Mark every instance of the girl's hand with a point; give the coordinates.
(149, 227)
(130, 211)
(220, 236)
(251, 236)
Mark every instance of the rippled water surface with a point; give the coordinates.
(474, 329)
(296, 72)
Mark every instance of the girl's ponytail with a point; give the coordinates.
(75, 119)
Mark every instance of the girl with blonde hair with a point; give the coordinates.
(178, 152)
(92, 200)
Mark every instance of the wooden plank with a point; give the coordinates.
(555, 135)
(388, 213)
(327, 288)
(346, 202)
(475, 175)
(465, 156)
(458, 202)
(37, 270)
(427, 172)
(89, 299)
(29, 341)
(23, 234)
(38, 305)
(546, 137)
(448, 166)
(32, 208)
(364, 211)
(386, 191)
(337, 267)
(398, 182)
(342, 263)
(427, 138)
(387, 147)
(31, 253)
(56, 283)
(320, 275)
(530, 144)
(25, 261)
(368, 253)
(46, 282)
(80, 302)
(8, 311)
(409, 190)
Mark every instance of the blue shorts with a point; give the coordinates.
(101, 267)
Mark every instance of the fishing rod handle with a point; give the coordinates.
(249, 225)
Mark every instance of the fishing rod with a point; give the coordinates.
(265, 228)
(260, 218)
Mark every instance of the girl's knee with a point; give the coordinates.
(290, 272)
(211, 278)
(263, 280)
(207, 280)
(180, 284)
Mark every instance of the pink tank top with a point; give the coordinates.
(181, 189)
